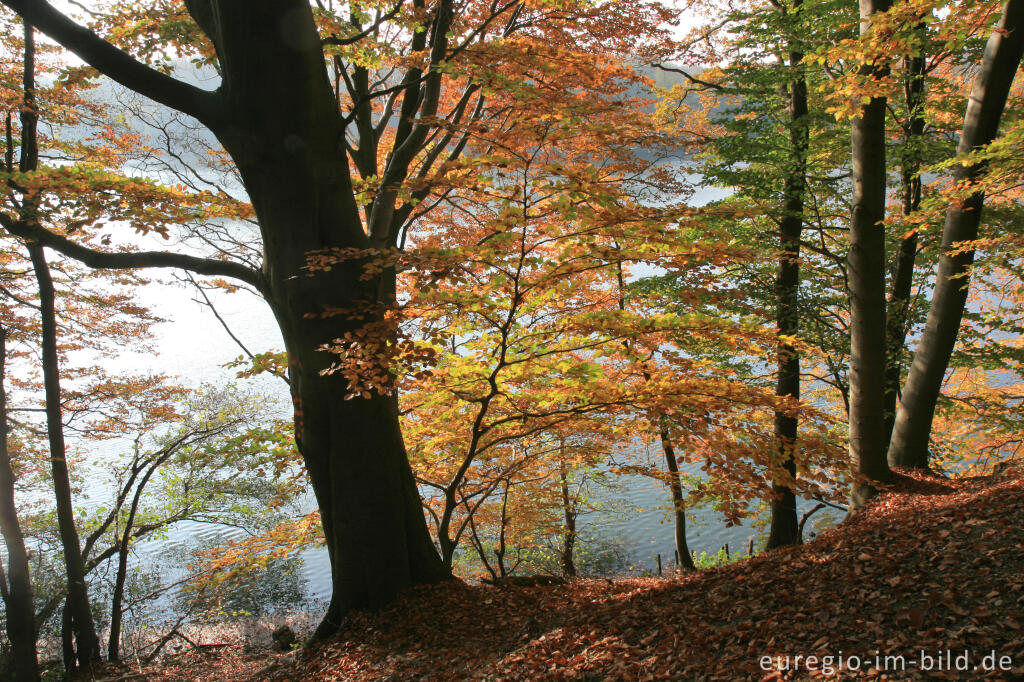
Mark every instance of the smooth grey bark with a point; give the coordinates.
(784, 528)
(15, 581)
(912, 431)
(866, 267)
(903, 274)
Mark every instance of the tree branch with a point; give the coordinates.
(119, 66)
(690, 77)
(349, 40)
(139, 259)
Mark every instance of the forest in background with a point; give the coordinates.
(474, 225)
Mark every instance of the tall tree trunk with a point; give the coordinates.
(15, 581)
(501, 551)
(912, 431)
(675, 484)
(117, 600)
(370, 509)
(17, 584)
(866, 263)
(86, 641)
(290, 154)
(678, 501)
(67, 637)
(276, 115)
(88, 646)
(903, 274)
(371, 513)
(784, 526)
(569, 531)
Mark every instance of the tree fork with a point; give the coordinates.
(912, 431)
(276, 115)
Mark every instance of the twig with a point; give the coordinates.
(803, 521)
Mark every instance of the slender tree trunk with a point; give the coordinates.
(88, 647)
(124, 545)
(86, 641)
(912, 431)
(445, 541)
(866, 263)
(569, 530)
(17, 584)
(903, 275)
(67, 637)
(675, 484)
(502, 549)
(787, 310)
(117, 600)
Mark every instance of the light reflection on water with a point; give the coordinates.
(635, 519)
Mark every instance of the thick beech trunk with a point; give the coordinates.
(784, 525)
(866, 264)
(903, 274)
(276, 114)
(87, 644)
(286, 137)
(19, 609)
(909, 446)
(370, 508)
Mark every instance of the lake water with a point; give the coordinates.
(193, 345)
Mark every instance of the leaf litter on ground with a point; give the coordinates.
(932, 568)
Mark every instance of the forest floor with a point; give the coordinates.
(927, 583)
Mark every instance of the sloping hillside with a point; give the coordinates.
(930, 577)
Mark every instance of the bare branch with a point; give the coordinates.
(138, 259)
(119, 66)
